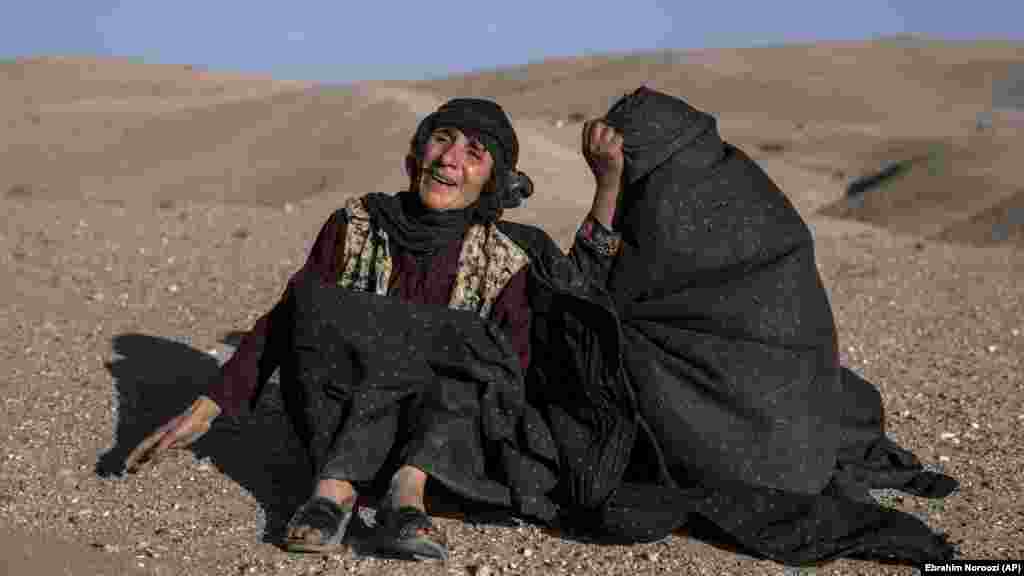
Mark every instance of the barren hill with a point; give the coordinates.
(817, 115)
(838, 109)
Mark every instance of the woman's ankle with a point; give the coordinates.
(340, 491)
(407, 488)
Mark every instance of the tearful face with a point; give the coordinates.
(455, 169)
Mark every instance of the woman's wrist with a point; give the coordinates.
(606, 198)
(599, 237)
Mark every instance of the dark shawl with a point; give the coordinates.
(355, 356)
(750, 426)
(730, 339)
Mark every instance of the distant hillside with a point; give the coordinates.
(836, 82)
(816, 116)
(101, 129)
(844, 109)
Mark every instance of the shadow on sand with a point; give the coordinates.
(156, 378)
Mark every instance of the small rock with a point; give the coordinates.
(944, 458)
(173, 288)
(289, 208)
(559, 123)
(947, 435)
(527, 553)
(992, 348)
(481, 570)
(651, 556)
(975, 425)
(1015, 332)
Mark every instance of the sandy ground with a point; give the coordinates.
(151, 212)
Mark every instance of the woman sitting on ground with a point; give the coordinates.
(462, 167)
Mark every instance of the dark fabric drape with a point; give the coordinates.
(729, 337)
(558, 452)
(371, 380)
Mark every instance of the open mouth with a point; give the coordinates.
(441, 179)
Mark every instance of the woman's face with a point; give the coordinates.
(455, 169)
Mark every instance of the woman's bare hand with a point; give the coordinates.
(179, 432)
(602, 148)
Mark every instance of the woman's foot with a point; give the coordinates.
(319, 525)
(408, 533)
(403, 527)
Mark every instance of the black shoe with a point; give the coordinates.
(327, 518)
(408, 533)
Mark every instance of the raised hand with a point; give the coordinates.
(602, 149)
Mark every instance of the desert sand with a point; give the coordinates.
(151, 212)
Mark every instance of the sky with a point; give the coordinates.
(341, 41)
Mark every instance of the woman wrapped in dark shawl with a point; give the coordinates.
(748, 425)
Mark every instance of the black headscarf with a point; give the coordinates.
(416, 229)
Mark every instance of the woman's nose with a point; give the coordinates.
(453, 154)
